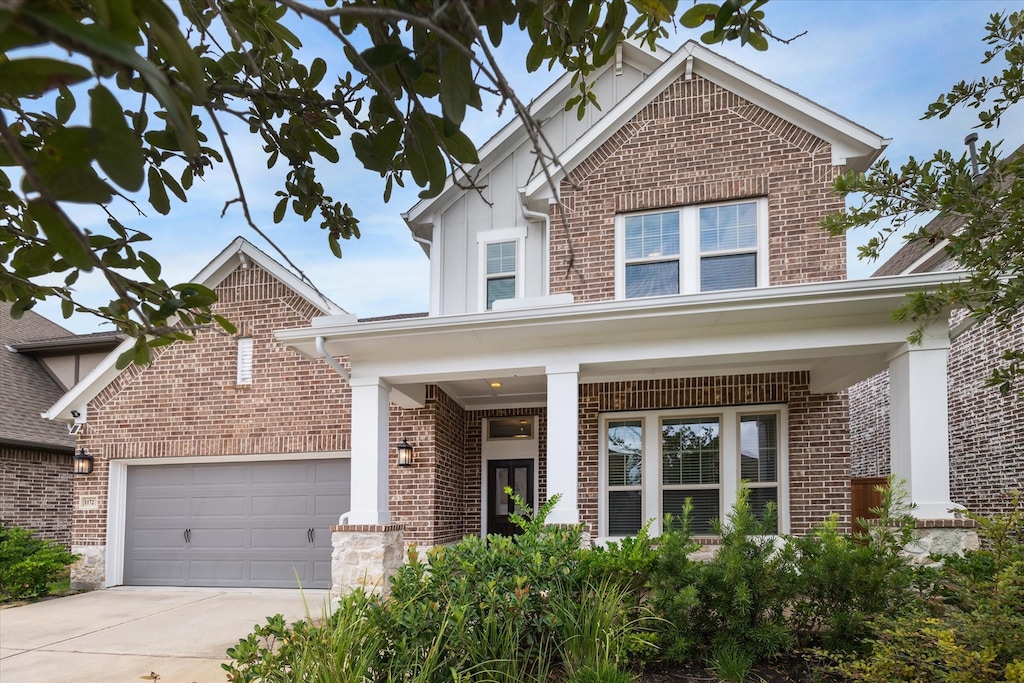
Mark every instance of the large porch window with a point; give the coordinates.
(651, 462)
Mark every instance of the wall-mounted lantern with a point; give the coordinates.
(404, 454)
(82, 462)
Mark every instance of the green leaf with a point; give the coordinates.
(280, 209)
(381, 56)
(653, 8)
(457, 85)
(65, 105)
(65, 238)
(34, 76)
(225, 324)
(462, 148)
(579, 18)
(332, 241)
(164, 33)
(114, 144)
(157, 193)
(150, 266)
(317, 71)
(171, 183)
(698, 14)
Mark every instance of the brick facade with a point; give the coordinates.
(35, 491)
(187, 403)
(819, 451)
(697, 143)
(986, 441)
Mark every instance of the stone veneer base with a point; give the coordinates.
(941, 537)
(90, 571)
(365, 556)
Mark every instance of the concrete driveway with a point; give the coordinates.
(125, 634)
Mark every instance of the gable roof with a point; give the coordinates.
(27, 388)
(852, 144)
(239, 253)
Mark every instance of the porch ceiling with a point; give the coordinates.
(838, 331)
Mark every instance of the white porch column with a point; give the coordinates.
(369, 451)
(919, 423)
(563, 441)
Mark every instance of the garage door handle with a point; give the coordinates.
(310, 534)
(188, 535)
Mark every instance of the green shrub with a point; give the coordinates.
(843, 582)
(737, 599)
(28, 564)
(971, 628)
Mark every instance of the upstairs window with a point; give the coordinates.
(692, 249)
(501, 271)
(500, 259)
(244, 370)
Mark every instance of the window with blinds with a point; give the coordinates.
(653, 462)
(244, 365)
(692, 249)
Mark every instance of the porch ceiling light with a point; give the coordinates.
(404, 454)
(495, 385)
(82, 462)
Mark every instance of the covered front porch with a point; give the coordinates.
(438, 383)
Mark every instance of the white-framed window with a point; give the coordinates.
(244, 362)
(501, 265)
(699, 248)
(652, 461)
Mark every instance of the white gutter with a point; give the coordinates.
(545, 218)
(321, 348)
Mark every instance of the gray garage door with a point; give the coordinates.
(257, 524)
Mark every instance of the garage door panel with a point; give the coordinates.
(249, 523)
(220, 539)
(219, 569)
(161, 507)
(269, 539)
(212, 505)
(294, 505)
(156, 539)
(281, 473)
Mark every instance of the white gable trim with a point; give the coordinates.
(852, 145)
(238, 253)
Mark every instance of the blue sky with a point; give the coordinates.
(877, 63)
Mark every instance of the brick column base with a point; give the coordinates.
(941, 537)
(365, 556)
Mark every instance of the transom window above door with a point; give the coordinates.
(692, 249)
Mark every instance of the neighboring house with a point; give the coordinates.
(986, 442)
(39, 361)
(667, 320)
(225, 461)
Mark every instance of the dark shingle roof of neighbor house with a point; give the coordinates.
(27, 389)
(911, 252)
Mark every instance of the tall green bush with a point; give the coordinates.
(28, 564)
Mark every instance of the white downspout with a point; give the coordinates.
(545, 218)
(321, 348)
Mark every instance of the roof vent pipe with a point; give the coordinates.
(321, 348)
(969, 141)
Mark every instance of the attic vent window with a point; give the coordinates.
(244, 360)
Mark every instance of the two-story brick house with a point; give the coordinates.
(663, 321)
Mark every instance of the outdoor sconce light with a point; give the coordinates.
(82, 462)
(404, 454)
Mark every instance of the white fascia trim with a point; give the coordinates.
(117, 495)
(225, 263)
(894, 287)
(848, 139)
(512, 135)
(90, 385)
